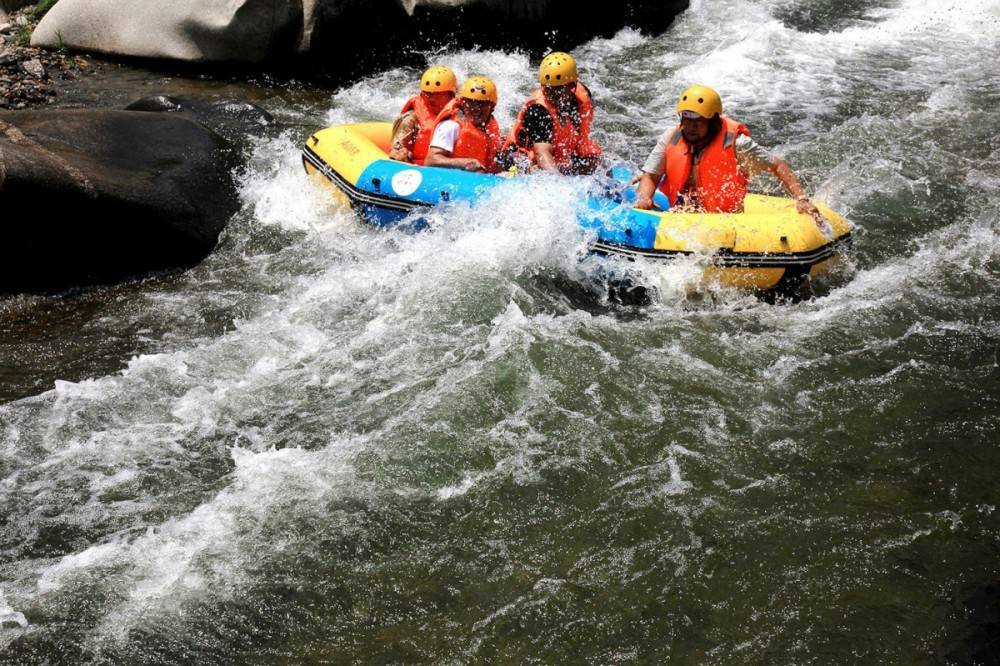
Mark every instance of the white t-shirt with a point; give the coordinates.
(445, 135)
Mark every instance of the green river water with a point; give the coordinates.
(328, 444)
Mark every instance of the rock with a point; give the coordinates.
(337, 33)
(33, 68)
(411, 5)
(189, 30)
(26, 75)
(96, 196)
(233, 120)
(339, 36)
(5, 25)
(13, 5)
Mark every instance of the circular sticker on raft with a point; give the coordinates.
(406, 182)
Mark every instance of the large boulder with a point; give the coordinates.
(235, 121)
(95, 196)
(187, 30)
(343, 40)
(337, 38)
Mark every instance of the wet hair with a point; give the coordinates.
(714, 126)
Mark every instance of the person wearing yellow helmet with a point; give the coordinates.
(552, 130)
(411, 133)
(467, 135)
(706, 161)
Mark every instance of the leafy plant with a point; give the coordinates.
(23, 35)
(41, 9)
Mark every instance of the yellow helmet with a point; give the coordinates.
(701, 100)
(479, 88)
(557, 69)
(438, 79)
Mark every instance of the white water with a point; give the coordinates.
(379, 370)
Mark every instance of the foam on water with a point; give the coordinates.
(276, 194)
(447, 371)
(9, 616)
(209, 551)
(380, 97)
(88, 441)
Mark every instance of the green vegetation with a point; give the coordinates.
(36, 13)
(23, 35)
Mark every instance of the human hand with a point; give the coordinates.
(472, 164)
(807, 207)
(643, 202)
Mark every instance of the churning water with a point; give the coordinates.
(338, 445)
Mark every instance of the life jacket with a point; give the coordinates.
(719, 185)
(473, 141)
(426, 122)
(568, 140)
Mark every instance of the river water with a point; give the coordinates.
(327, 444)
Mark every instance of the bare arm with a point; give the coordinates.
(645, 190)
(404, 132)
(545, 158)
(439, 157)
(790, 182)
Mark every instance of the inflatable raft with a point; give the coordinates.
(768, 246)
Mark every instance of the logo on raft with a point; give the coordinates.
(406, 182)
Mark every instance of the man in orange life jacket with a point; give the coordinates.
(467, 135)
(411, 133)
(552, 131)
(706, 161)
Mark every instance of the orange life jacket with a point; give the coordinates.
(473, 141)
(426, 122)
(719, 185)
(568, 140)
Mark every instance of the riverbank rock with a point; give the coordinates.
(10, 6)
(187, 30)
(96, 196)
(27, 74)
(234, 121)
(333, 38)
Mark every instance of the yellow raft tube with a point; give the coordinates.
(768, 246)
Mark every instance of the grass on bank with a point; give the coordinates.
(34, 15)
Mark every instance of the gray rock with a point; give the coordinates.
(96, 196)
(256, 30)
(189, 30)
(33, 68)
(235, 121)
